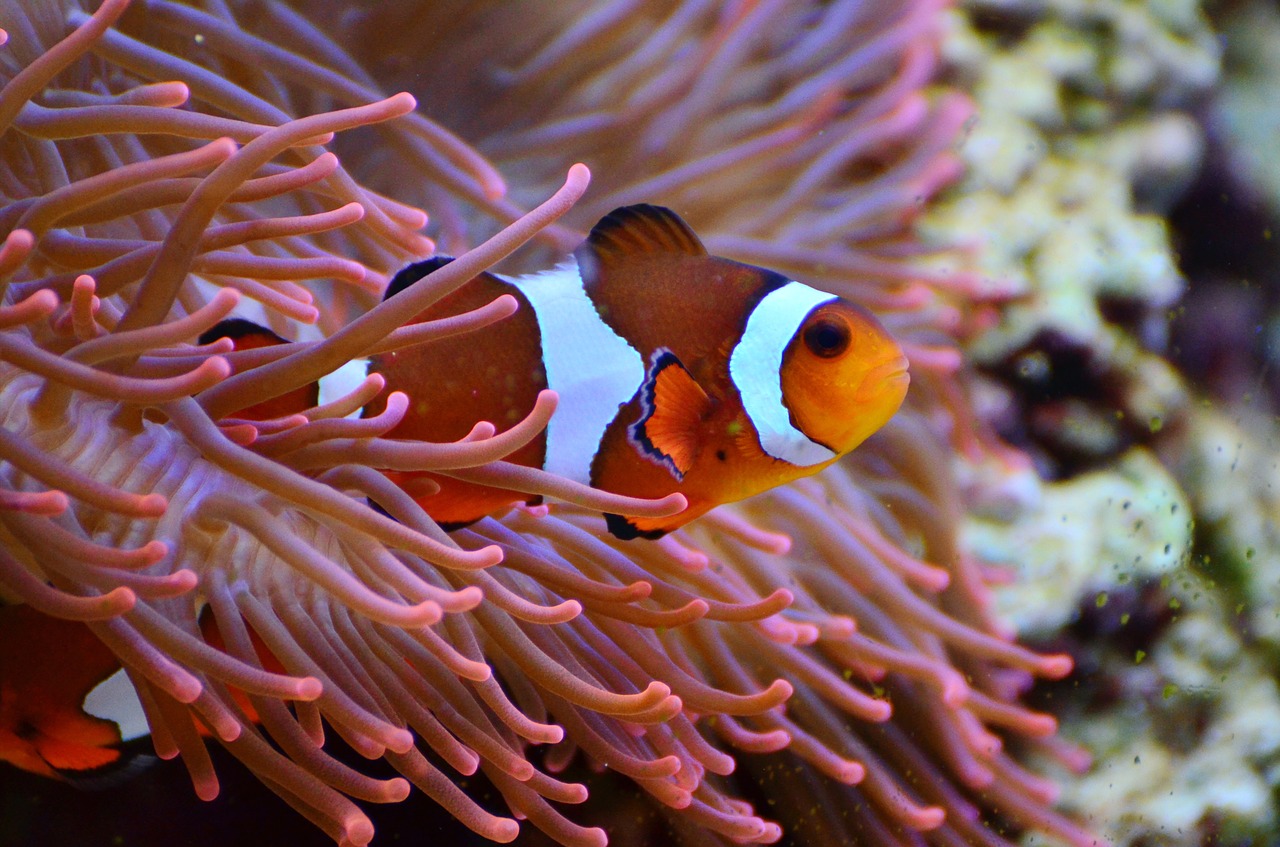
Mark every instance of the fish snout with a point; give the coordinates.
(889, 375)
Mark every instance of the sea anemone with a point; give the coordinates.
(163, 163)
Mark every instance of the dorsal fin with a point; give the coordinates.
(410, 274)
(236, 328)
(629, 230)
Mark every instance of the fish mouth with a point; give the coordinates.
(888, 375)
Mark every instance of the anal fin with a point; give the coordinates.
(672, 409)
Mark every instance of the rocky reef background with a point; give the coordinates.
(1122, 182)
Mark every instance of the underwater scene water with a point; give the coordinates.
(1039, 606)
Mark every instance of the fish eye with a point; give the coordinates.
(827, 337)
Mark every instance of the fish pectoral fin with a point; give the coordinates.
(627, 529)
(124, 765)
(70, 757)
(672, 409)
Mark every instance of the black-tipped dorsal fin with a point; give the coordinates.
(237, 328)
(410, 274)
(643, 228)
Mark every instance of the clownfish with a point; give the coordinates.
(66, 707)
(247, 335)
(68, 710)
(677, 371)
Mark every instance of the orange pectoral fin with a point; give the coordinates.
(72, 756)
(628, 528)
(672, 409)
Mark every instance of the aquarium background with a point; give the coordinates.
(1118, 206)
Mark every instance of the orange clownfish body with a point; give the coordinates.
(66, 707)
(677, 371)
(247, 335)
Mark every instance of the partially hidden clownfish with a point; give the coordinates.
(68, 710)
(66, 707)
(677, 371)
(248, 335)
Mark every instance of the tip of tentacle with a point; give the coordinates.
(944, 361)
(547, 400)
(153, 505)
(636, 591)
(1039, 725)
(548, 733)
(850, 772)
(575, 792)
(395, 790)
(486, 556)
(539, 511)
(777, 543)
(184, 687)
(398, 740)
(469, 762)
(955, 691)
(1056, 666)
(877, 711)
(777, 693)
(117, 601)
(151, 552)
(214, 369)
(222, 148)
(180, 582)
(462, 600)
(174, 93)
(579, 175)
(401, 104)
(426, 613)
(480, 431)
(495, 187)
(241, 435)
(672, 504)
(693, 561)
(224, 727)
(653, 694)
(21, 238)
(777, 601)
(358, 830)
(927, 818)
(206, 786)
(779, 630)
(308, 688)
(806, 634)
(503, 831)
(838, 626)
(931, 579)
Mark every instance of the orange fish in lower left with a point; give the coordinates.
(50, 670)
(66, 705)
